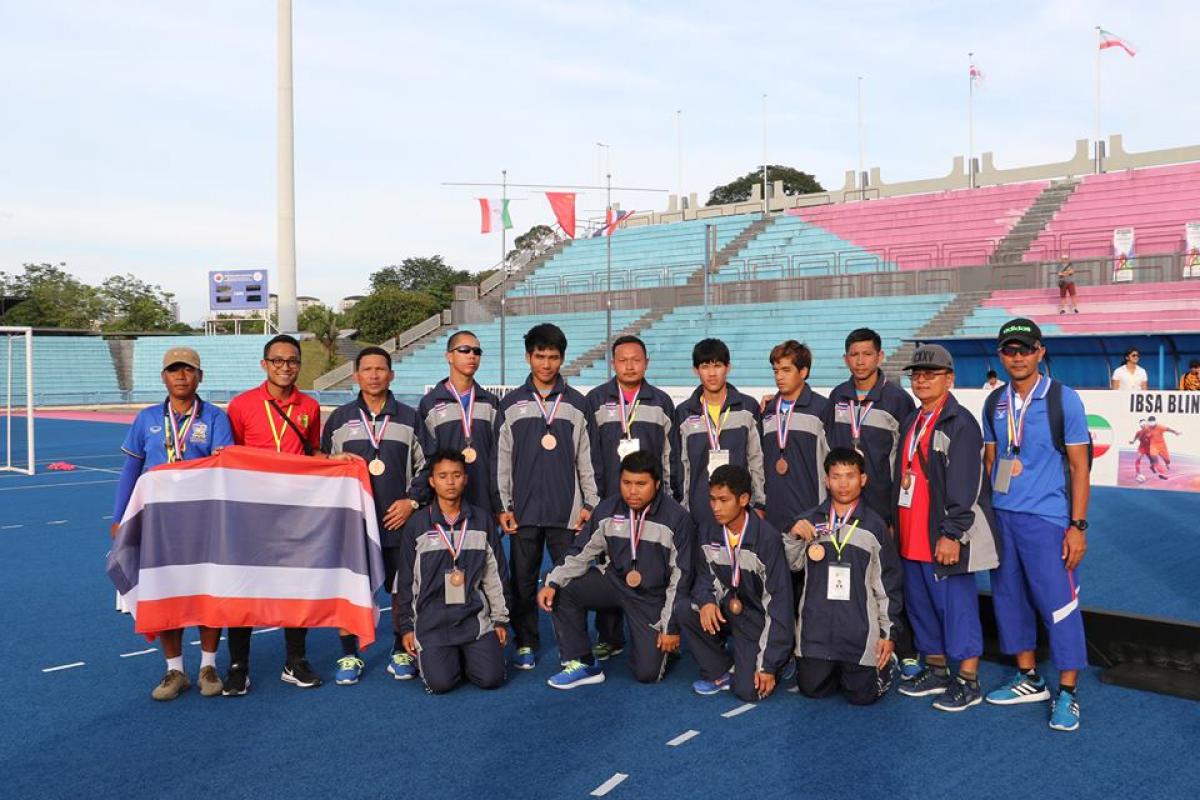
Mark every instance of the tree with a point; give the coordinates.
(530, 239)
(324, 325)
(131, 304)
(429, 274)
(388, 311)
(794, 182)
(52, 298)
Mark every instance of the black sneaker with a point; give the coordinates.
(299, 673)
(237, 682)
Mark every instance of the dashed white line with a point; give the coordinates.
(10, 527)
(107, 516)
(261, 630)
(57, 522)
(609, 785)
(64, 484)
(683, 737)
(139, 652)
(72, 665)
(197, 641)
(742, 709)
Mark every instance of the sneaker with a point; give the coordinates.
(237, 681)
(524, 659)
(402, 667)
(173, 684)
(926, 684)
(349, 670)
(209, 682)
(910, 669)
(602, 651)
(576, 673)
(1021, 689)
(721, 684)
(884, 678)
(1064, 712)
(299, 673)
(959, 697)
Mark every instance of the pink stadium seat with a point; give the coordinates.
(1149, 307)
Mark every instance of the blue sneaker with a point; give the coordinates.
(402, 667)
(910, 669)
(524, 659)
(958, 697)
(1064, 712)
(349, 670)
(1021, 689)
(721, 684)
(927, 683)
(576, 673)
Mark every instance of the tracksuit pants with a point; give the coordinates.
(943, 612)
(1032, 583)
(442, 666)
(817, 677)
(710, 653)
(595, 592)
(525, 565)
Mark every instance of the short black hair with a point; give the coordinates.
(844, 456)
(447, 454)
(628, 339)
(545, 336)
(863, 335)
(1195, 362)
(799, 353)
(1130, 351)
(709, 351)
(456, 335)
(372, 351)
(732, 476)
(642, 463)
(992, 374)
(281, 338)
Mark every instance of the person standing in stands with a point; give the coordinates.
(946, 533)
(1066, 285)
(275, 415)
(1190, 380)
(717, 425)
(381, 431)
(1036, 452)
(1130, 377)
(544, 476)
(793, 437)
(626, 415)
(864, 414)
(993, 380)
(182, 428)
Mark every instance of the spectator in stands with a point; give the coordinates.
(1129, 377)
(1036, 440)
(1190, 381)
(993, 380)
(1066, 285)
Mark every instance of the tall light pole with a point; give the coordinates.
(679, 151)
(503, 272)
(862, 195)
(285, 165)
(971, 122)
(607, 255)
(766, 203)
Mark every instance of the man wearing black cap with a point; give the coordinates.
(945, 530)
(1036, 450)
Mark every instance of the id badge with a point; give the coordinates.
(906, 495)
(717, 458)
(455, 595)
(838, 587)
(627, 446)
(1004, 471)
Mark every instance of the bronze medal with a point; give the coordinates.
(457, 577)
(549, 442)
(469, 454)
(781, 466)
(633, 579)
(735, 605)
(1016, 467)
(907, 482)
(377, 467)
(816, 552)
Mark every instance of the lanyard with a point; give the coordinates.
(858, 417)
(549, 417)
(734, 552)
(178, 443)
(1016, 428)
(467, 413)
(924, 423)
(277, 434)
(448, 539)
(627, 417)
(637, 523)
(375, 438)
(783, 423)
(714, 433)
(836, 525)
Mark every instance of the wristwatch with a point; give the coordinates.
(1081, 524)
(415, 505)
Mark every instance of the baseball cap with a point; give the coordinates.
(930, 356)
(1022, 330)
(181, 355)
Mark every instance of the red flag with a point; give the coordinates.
(563, 205)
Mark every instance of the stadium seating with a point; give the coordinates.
(1155, 202)
(791, 248)
(230, 364)
(642, 257)
(67, 370)
(751, 330)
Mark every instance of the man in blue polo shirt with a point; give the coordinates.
(181, 428)
(1036, 441)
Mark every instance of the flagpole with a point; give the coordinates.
(608, 274)
(971, 121)
(766, 203)
(503, 270)
(1097, 133)
(862, 193)
(679, 151)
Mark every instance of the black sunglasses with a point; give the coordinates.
(1011, 350)
(467, 350)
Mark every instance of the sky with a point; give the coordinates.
(139, 137)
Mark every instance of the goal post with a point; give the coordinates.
(16, 348)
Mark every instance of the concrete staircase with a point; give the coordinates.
(941, 326)
(490, 298)
(596, 352)
(1016, 243)
(121, 351)
(741, 240)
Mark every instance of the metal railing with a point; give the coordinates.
(398, 342)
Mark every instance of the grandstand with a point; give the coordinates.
(230, 364)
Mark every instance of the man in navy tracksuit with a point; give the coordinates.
(946, 532)
(742, 591)
(459, 414)
(451, 606)
(544, 476)
(648, 541)
(793, 437)
(717, 425)
(383, 432)
(850, 607)
(626, 415)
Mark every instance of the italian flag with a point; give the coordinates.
(1109, 39)
(493, 215)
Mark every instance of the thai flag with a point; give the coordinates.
(250, 537)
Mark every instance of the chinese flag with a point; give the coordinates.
(563, 205)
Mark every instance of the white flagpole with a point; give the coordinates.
(1097, 134)
(971, 121)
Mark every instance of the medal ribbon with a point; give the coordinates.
(836, 525)
(277, 434)
(448, 539)
(714, 432)
(924, 422)
(178, 444)
(858, 417)
(467, 413)
(627, 417)
(636, 525)
(549, 417)
(783, 424)
(1016, 429)
(734, 564)
(375, 438)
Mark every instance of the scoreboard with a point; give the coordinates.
(238, 290)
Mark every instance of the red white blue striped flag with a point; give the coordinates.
(250, 537)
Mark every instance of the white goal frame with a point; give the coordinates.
(8, 465)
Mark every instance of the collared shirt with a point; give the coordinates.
(151, 429)
(248, 416)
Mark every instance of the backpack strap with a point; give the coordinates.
(1054, 414)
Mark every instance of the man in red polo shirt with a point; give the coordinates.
(275, 415)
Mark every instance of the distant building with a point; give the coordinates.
(348, 302)
(173, 307)
(303, 302)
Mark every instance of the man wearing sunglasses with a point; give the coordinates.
(1036, 445)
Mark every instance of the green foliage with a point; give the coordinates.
(389, 310)
(429, 275)
(53, 298)
(530, 239)
(794, 182)
(131, 304)
(324, 325)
